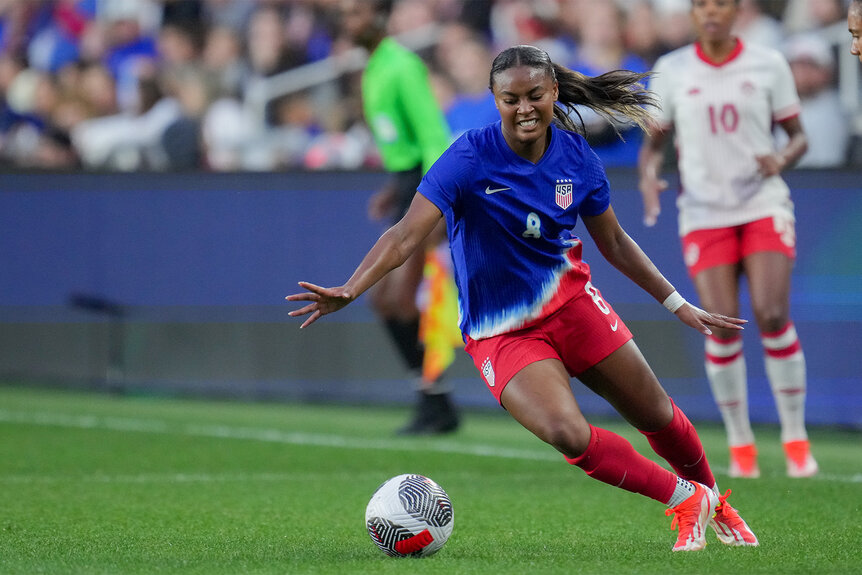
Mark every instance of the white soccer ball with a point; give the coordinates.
(409, 516)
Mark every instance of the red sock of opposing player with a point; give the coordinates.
(679, 444)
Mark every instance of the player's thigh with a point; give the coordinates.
(718, 289)
(627, 382)
(768, 275)
(540, 398)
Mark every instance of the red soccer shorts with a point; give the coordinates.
(703, 249)
(584, 331)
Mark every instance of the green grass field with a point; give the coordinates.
(95, 484)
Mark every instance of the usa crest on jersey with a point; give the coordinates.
(563, 193)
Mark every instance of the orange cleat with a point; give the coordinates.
(730, 528)
(800, 462)
(743, 461)
(691, 516)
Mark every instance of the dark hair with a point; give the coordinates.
(383, 6)
(620, 92)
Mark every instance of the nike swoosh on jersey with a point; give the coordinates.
(616, 324)
(488, 190)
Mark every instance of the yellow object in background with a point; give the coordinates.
(438, 327)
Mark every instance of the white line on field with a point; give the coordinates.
(267, 435)
(299, 438)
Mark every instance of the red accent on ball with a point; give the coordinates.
(415, 543)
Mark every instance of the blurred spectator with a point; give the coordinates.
(753, 25)
(10, 67)
(466, 60)
(673, 23)
(228, 13)
(104, 63)
(60, 25)
(180, 43)
(410, 15)
(822, 115)
(195, 90)
(810, 15)
(130, 30)
(99, 89)
(601, 50)
(527, 22)
(641, 31)
(267, 46)
(223, 56)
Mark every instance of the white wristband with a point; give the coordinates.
(673, 302)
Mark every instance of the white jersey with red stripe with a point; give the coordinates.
(723, 115)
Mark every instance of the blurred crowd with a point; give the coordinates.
(167, 84)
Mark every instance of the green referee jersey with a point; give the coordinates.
(401, 110)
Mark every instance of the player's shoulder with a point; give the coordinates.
(571, 140)
(762, 53)
(477, 139)
(574, 149)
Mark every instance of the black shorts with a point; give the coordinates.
(405, 184)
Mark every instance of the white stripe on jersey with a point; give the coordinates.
(723, 117)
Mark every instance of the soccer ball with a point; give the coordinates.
(409, 516)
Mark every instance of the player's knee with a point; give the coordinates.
(566, 437)
(771, 318)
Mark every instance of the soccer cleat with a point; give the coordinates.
(730, 528)
(691, 516)
(800, 462)
(435, 414)
(743, 461)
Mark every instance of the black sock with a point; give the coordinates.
(405, 334)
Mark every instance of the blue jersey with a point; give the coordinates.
(510, 225)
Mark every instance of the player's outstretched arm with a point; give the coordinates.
(391, 250)
(625, 254)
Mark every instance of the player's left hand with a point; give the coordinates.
(702, 320)
(323, 301)
(770, 164)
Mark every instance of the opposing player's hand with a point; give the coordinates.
(323, 301)
(651, 186)
(702, 320)
(770, 164)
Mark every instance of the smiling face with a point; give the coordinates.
(713, 19)
(525, 97)
(854, 24)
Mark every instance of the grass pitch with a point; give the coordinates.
(101, 485)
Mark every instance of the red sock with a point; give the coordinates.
(612, 459)
(679, 444)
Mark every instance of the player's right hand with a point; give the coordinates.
(323, 301)
(651, 187)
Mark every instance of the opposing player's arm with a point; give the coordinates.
(626, 255)
(390, 251)
(797, 145)
(650, 184)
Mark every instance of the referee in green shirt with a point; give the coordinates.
(410, 132)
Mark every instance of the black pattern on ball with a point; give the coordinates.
(425, 501)
(386, 534)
